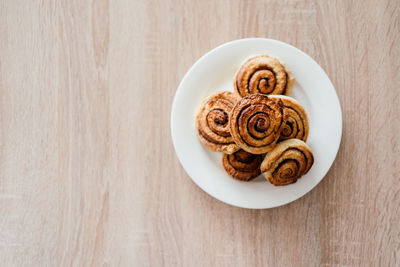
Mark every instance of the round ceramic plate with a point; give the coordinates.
(214, 72)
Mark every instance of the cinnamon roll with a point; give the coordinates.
(242, 165)
(297, 123)
(263, 74)
(212, 122)
(256, 122)
(287, 162)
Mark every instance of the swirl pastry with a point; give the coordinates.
(212, 122)
(263, 74)
(297, 123)
(287, 162)
(256, 122)
(242, 165)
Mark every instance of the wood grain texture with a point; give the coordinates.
(88, 173)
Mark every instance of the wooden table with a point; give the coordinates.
(88, 173)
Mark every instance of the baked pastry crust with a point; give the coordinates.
(287, 162)
(297, 123)
(242, 165)
(263, 74)
(256, 122)
(212, 122)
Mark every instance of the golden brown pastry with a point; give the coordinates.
(287, 162)
(256, 122)
(263, 74)
(212, 122)
(242, 165)
(297, 123)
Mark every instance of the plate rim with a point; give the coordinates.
(214, 50)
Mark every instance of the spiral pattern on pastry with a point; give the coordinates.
(242, 165)
(287, 162)
(212, 122)
(297, 123)
(263, 74)
(256, 122)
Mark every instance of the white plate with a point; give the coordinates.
(214, 72)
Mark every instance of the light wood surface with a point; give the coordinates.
(88, 173)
